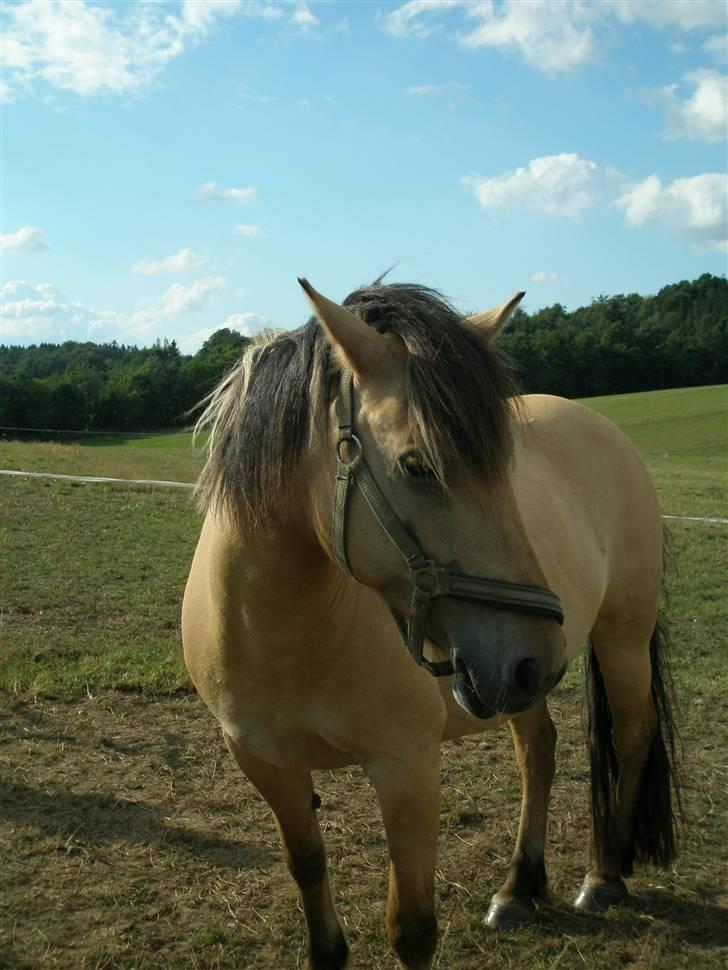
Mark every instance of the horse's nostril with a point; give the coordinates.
(526, 677)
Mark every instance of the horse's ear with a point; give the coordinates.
(490, 323)
(364, 349)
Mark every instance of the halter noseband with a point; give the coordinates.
(428, 578)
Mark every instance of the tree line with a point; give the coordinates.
(618, 344)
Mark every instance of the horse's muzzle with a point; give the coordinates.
(509, 688)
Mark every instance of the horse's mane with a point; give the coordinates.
(268, 408)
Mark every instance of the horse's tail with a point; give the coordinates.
(657, 805)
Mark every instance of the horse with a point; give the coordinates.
(398, 550)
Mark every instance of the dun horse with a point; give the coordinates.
(373, 478)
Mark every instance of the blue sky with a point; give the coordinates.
(171, 168)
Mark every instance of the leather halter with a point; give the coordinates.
(429, 579)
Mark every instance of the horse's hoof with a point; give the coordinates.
(509, 913)
(594, 897)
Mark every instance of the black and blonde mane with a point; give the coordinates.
(267, 410)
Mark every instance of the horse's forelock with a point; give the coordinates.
(458, 384)
(263, 414)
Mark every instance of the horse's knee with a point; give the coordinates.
(413, 938)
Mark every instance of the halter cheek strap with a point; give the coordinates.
(428, 578)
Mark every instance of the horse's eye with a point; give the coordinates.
(413, 466)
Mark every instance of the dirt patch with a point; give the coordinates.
(129, 840)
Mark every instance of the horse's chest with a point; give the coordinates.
(290, 729)
(288, 745)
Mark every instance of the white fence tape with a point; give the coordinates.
(154, 482)
(106, 481)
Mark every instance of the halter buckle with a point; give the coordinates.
(352, 443)
(428, 578)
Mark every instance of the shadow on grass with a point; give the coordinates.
(79, 820)
(700, 921)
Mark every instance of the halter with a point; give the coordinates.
(429, 579)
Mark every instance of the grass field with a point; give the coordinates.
(128, 838)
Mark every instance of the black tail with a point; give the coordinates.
(658, 799)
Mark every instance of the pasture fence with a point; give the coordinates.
(154, 483)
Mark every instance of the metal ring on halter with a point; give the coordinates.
(427, 578)
(349, 439)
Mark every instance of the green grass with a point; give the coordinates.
(682, 436)
(687, 421)
(165, 457)
(92, 583)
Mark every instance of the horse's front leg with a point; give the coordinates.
(409, 796)
(534, 737)
(290, 795)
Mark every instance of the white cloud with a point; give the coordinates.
(303, 17)
(717, 47)
(178, 299)
(553, 36)
(693, 208)
(210, 192)
(190, 343)
(704, 114)
(181, 262)
(250, 232)
(201, 14)
(449, 88)
(43, 312)
(561, 185)
(246, 323)
(28, 239)
(114, 48)
(686, 14)
(408, 19)
(262, 10)
(545, 277)
(92, 49)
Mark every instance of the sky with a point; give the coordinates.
(170, 168)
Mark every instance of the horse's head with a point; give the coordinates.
(424, 510)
